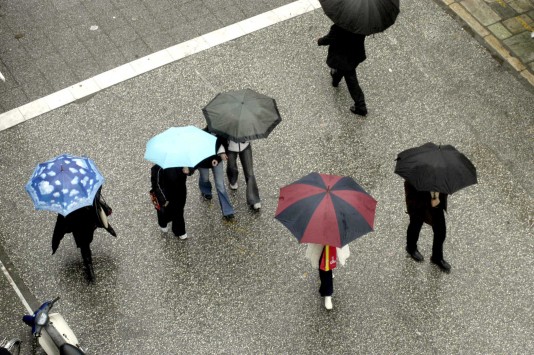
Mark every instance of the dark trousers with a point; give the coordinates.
(438, 227)
(87, 257)
(352, 84)
(174, 212)
(327, 283)
(245, 156)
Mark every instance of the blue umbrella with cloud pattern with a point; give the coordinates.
(64, 184)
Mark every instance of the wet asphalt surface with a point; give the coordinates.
(245, 287)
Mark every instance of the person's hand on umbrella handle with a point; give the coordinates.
(185, 170)
(224, 156)
(166, 204)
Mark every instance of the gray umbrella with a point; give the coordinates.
(242, 115)
(362, 16)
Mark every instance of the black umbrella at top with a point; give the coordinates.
(436, 168)
(365, 17)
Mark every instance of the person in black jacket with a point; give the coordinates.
(426, 207)
(82, 223)
(345, 52)
(169, 187)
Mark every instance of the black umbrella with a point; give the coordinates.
(362, 16)
(436, 168)
(242, 115)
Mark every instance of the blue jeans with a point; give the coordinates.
(205, 186)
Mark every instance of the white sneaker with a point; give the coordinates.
(328, 302)
(164, 229)
(183, 237)
(234, 186)
(257, 206)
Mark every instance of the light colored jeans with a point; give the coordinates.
(205, 186)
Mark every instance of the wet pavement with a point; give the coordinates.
(246, 287)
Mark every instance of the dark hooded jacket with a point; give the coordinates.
(346, 49)
(418, 203)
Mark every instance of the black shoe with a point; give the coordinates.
(229, 217)
(334, 83)
(415, 254)
(206, 196)
(358, 111)
(442, 264)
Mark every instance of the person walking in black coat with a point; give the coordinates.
(426, 207)
(345, 52)
(170, 189)
(82, 223)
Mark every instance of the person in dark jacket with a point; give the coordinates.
(345, 52)
(169, 187)
(82, 223)
(215, 163)
(426, 207)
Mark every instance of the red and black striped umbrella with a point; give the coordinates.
(326, 209)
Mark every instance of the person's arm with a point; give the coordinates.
(59, 232)
(155, 179)
(327, 40)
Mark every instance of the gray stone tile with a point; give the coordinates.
(503, 11)
(17, 21)
(62, 5)
(14, 98)
(205, 24)
(16, 56)
(522, 46)
(160, 5)
(185, 31)
(111, 20)
(251, 8)
(145, 25)
(481, 11)
(56, 71)
(499, 30)
(522, 6)
(85, 68)
(194, 10)
(77, 16)
(69, 45)
(230, 15)
(99, 8)
(109, 59)
(37, 44)
(134, 49)
(124, 3)
(169, 18)
(216, 5)
(122, 35)
(160, 40)
(517, 24)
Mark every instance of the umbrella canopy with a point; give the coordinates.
(242, 115)
(64, 184)
(326, 209)
(436, 168)
(180, 147)
(362, 16)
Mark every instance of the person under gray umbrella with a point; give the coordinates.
(346, 50)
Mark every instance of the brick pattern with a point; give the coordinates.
(507, 27)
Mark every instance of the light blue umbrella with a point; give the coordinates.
(180, 147)
(64, 184)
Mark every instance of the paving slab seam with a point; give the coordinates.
(485, 23)
(153, 61)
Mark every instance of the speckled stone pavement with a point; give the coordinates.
(246, 288)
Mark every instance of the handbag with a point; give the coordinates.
(105, 207)
(154, 199)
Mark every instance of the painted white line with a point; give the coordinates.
(153, 61)
(15, 287)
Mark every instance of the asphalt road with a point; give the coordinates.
(246, 287)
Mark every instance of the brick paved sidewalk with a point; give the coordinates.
(48, 45)
(506, 27)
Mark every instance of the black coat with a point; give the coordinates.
(81, 223)
(207, 163)
(418, 203)
(168, 184)
(346, 49)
